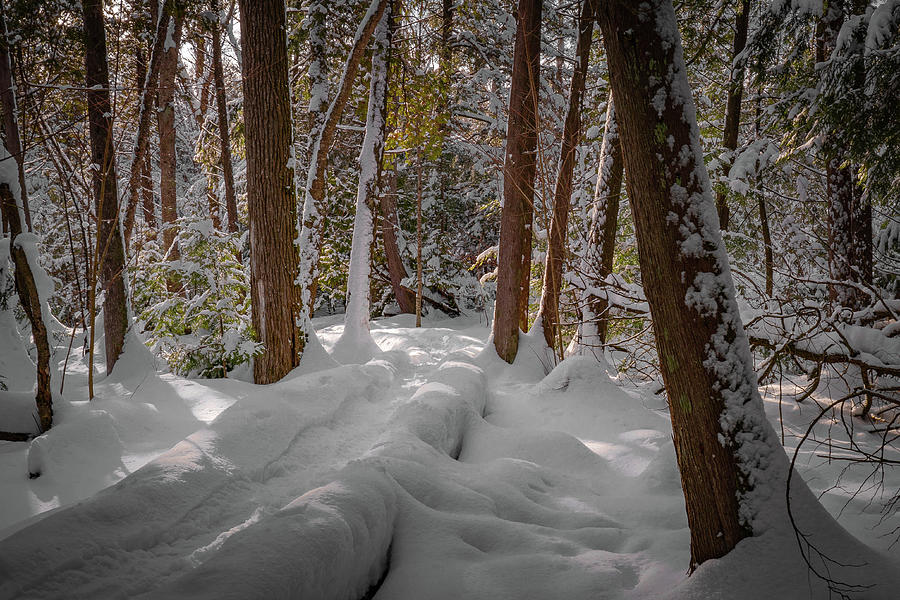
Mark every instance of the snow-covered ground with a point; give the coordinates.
(433, 471)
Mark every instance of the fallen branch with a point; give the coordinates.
(15, 436)
(824, 357)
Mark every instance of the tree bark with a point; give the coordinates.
(733, 106)
(845, 220)
(602, 236)
(723, 442)
(224, 130)
(140, 165)
(556, 245)
(110, 255)
(390, 227)
(310, 239)
(8, 105)
(145, 182)
(768, 259)
(514, 260)
(13, 214)
(165, 117)
(271, 196)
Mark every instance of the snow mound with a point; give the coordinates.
(329, 544)
(334, 541)
(18, 412)
(86, 448)
(206, 483)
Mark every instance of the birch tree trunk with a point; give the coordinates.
(514, 260)
(271, 195)
(356, 343)
(556, 245)
(109, 259)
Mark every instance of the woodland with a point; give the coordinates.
(450, 299)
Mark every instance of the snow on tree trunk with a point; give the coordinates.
(109, 256)
(598, 259)
(733, 105)
(271, 195)
(316, 18)
(733, 469)
(9, 110)
(30, 279)
(356, 344)
(556, 246)
(849, 212)
(514, 256)
(309, 239)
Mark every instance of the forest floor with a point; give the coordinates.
(433, 471)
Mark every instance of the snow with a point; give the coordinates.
(883, 21)
(356, 344)
(9, 174)
(435, 467)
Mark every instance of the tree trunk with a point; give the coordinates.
(602, 236)
(733, 106)
(110, 255)
(419, 282)
(165, 116)
(317, 17)
(556, 246)
(8, 104)
(271, 196)
(390, 227)
(13, 206)
(146, 182)
(768, 259)
(14, 214)
(863, 249)
(356, 342)
(723, 442)
(841, 188)
(224, 130)
(310, 239)
(514, 260)
(140, 165)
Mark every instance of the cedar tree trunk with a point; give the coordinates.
(719, 428)
(556, 246)
(514, 260)
(271, 196)
(110, 255)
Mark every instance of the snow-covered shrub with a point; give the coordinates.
(201, 324)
